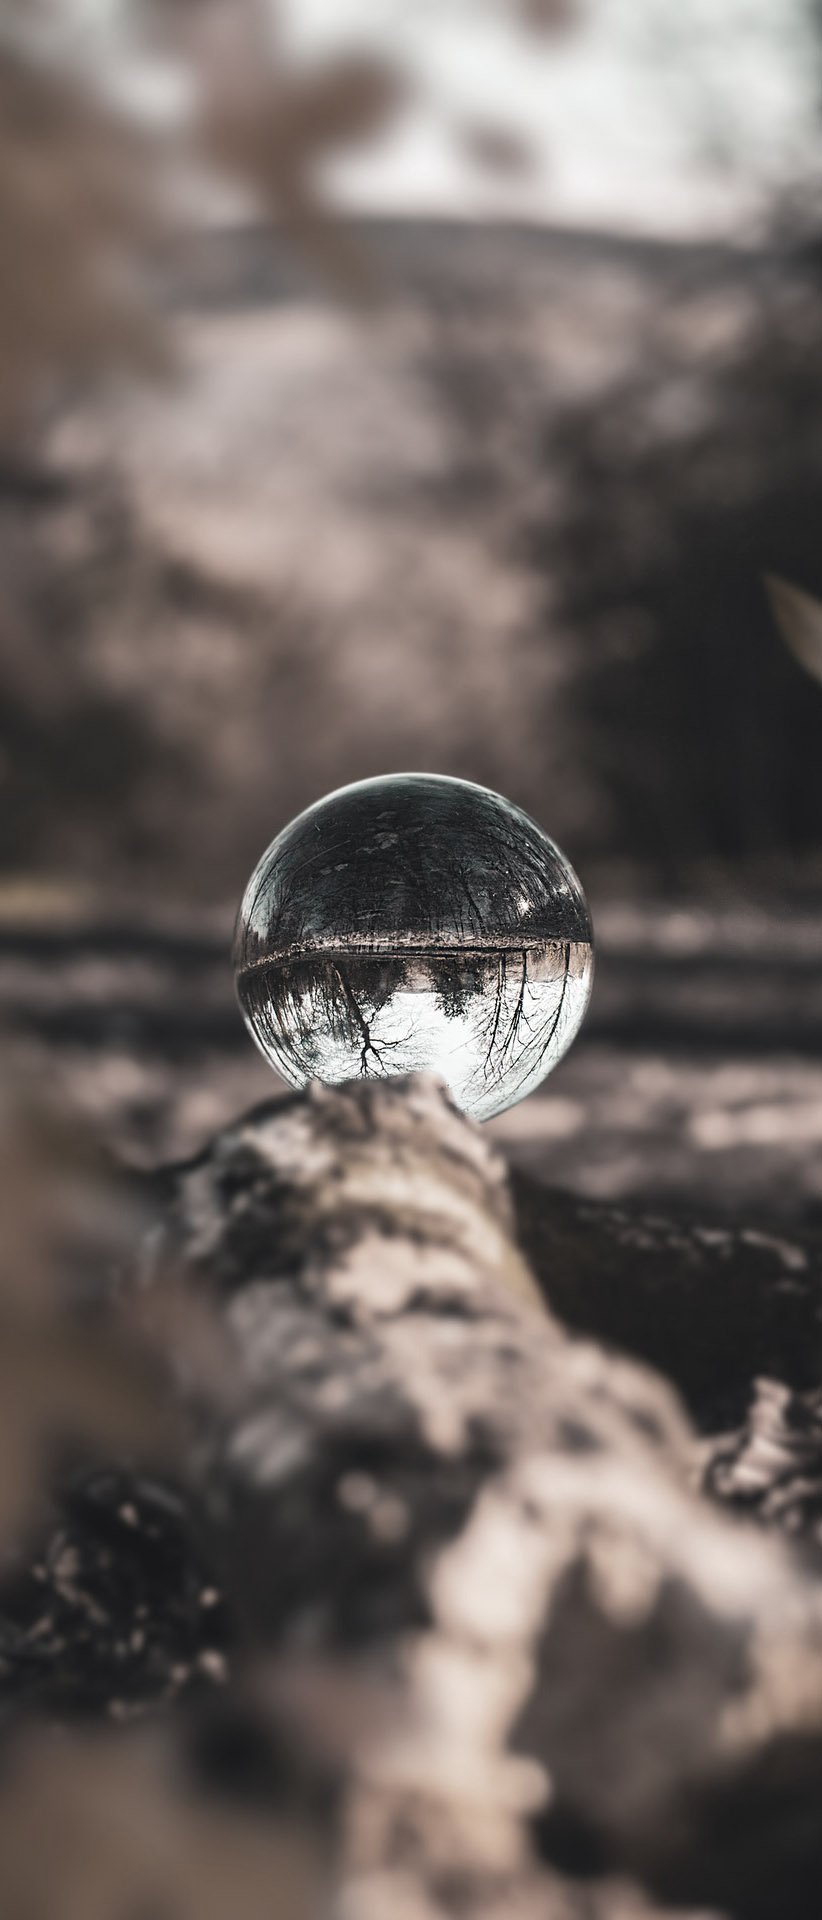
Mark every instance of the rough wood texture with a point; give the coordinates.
(417, 1471)
(710, 1305)
(771, 1465)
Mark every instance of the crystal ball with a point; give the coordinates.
(415, 921)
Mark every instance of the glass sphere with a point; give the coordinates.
(415, 921)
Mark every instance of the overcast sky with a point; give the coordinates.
(661, 114)
(675, 116)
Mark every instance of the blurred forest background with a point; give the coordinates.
(387, 385)
(419, 387)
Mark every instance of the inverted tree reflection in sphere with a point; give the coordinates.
(415, 921)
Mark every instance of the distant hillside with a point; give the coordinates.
(510, 524)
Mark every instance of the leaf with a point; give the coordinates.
(548, 16)
(276, 134)
(798, 616)
(496, 148)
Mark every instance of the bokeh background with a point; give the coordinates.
(436, 386)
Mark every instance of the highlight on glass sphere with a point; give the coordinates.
(415, 921)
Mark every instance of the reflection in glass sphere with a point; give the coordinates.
(411, 922)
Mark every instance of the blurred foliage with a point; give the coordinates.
(550, 16)
(73, 1377)
(498, 148)
(99, 1828)
(75, 213)
(259, 119)
(91, 187)
(82, 180)
(798, 616)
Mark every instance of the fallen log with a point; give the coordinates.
(412, 1469)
